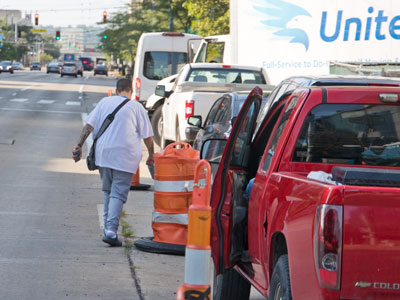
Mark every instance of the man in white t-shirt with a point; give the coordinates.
(118, 151)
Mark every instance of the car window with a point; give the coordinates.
(158, 65)
(69, 65)
(213, 111)
(350, 134)
(278, 132)
(227, 75)
(243, 138)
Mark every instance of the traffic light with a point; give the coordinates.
(105, 36)
(104, 17)
(58, 37)
(36, 19)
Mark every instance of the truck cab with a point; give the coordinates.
(320, 219)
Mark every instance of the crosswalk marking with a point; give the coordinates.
(45, 101)
(19, 100)
(73, 103)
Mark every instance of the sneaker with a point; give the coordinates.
(112, 242)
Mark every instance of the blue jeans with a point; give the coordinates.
(115, 186)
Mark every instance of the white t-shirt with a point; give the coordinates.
(120, 147)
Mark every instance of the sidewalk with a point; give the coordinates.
(158, 275)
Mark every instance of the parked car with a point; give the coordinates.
(299, 190)
(196, 89)
(154, 106)
(36, 66)
(53, 67)
(100, 68)
(69, 68)
(219, 121)
(17, 65)
(6, 66)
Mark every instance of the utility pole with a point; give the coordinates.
(171, 18)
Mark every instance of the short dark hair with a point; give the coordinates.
(124, 85)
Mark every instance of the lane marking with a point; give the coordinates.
(27, 88)
(81, 88)
(45, 101)
(14, 94)
(40, 111)
(19, 100)
(80, 97)
(73, 103)
(100, 212)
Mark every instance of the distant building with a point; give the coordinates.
(11, 16)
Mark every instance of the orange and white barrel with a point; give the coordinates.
(173, 185)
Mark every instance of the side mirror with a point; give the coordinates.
(233, 120)
(160, 91)
(212, 150)
(195, 121)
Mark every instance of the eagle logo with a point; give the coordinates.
(283, 17)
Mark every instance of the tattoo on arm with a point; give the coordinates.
(87, 129)
(149, 145)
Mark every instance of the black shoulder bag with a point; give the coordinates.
(91, 159)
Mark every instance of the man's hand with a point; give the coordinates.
(76, 153)
(150, 160)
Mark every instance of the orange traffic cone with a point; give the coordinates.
(109, 93)
(136, 185)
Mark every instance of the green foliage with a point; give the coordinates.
(45, 58)
(8, 52)
(211, 16)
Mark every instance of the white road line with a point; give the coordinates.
(19, 100)
(100, 212)
(81, 88)
(14, 94)
(40, 111)
(27, 88)
(73, 103)
(45, 101)
(80, 97)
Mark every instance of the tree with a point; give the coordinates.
(211, 16)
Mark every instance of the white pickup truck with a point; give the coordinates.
(196, 89)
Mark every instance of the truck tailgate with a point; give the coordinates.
(371, 243)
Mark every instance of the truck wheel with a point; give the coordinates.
(280, 282)
(231, 286)
(156, 123)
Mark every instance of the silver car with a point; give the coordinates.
(69, 68)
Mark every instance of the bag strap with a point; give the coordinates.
(109, 119)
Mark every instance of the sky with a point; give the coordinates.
(60, 13)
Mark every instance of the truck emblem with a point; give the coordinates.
(284, 16)
(363, 284)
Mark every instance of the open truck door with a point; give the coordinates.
(230, 182)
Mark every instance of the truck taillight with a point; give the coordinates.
(328, 231)
(137, 90)
(189, 109)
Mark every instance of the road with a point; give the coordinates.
(50, 242)
(50, 245)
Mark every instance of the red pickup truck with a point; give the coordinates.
(322, 218)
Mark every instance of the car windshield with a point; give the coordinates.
(225, 76)
(5, 63)
(351, 134)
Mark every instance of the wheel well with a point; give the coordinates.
(156, 105)
(278, 248)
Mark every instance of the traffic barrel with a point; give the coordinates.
(198, 251)
(173, 184)
(135, 183)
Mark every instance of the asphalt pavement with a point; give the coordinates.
(51, 207)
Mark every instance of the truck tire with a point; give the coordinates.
(156, 123)
(280, 282)
(231, 286)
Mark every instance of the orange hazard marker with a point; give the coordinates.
(198, 251)
(135, 183)
(109, 93)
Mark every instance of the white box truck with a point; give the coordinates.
(303, 37)
(159, 55)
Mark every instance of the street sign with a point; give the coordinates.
(38, 30)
